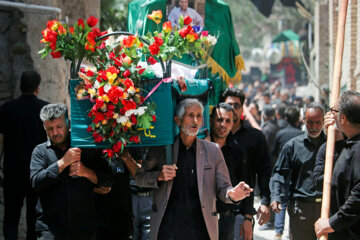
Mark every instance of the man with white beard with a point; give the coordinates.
(296, 164)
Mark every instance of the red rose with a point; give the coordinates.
(185, 31)
(110, 107)
(81, 23)
(135, 139)
(187, 20)
(154, 118)
(128, 104)
(71, 30)
(99, 103)
(99, 116)
(141, 71)
(89, 73)
(112, 70)
(158, 41)
(101, 91)
(117, 147)
(126, 73)
(97, 137)
(109, 152)
(92, 21)
(56, 54)
(154, 49)
(89, 129)
(128, 83)
(115, 94)
(133, 119)
(151, 60)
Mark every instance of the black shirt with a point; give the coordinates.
(296, 161)
(282, 137)
(183, 218)
(253, 142)
(66, 204)
(345, 193)
(236, 162)
(269, 128)
(23, 130)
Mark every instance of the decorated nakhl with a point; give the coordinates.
(113, 83)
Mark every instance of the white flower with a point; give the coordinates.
(107, 87)
(129, 112)
(121, 119)
(212, 39)
(96, 84)
(141, 110)
(131, 91)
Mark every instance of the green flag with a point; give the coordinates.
(225, 58)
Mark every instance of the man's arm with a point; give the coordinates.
(280, 175)
(130, 163)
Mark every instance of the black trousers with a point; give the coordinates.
(303, 216)
(47, 235)
(15, 191)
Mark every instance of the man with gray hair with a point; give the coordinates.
(295, 165)
(185, 191)
(65, 207)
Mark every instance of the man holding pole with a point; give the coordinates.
(344, 221)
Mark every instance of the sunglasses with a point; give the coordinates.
(333, 110)
(236, 106)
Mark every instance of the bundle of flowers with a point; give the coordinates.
(171, 42)
(72, 43)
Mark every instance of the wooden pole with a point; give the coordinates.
(335, 94)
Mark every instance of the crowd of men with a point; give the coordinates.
(261, 138)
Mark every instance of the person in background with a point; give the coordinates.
(222, 119)
(280, 116)
(294, 168)
(184, 10)
(254, 143)
(20, 131)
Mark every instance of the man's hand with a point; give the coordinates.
(246, 231)
(102, 190)
(322, 226)
(329, 119)
(263, 214)
(78, 169)
(240, 191)
(167, 173)
(276, 206)
(72, 155)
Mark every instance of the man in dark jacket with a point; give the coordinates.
(20, 131)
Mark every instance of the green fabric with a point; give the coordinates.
(287, 35)
(218, 22)
(138, 11)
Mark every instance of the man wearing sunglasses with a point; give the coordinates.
(254, 143)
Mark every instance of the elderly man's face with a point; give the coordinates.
(183, 4)
(191, 121)
(222, 123)
(57, 130)
(314, 120)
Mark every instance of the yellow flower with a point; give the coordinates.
(91, 91)
(105, 98)
(103, 122)
(129, 124)
(115, 115)
(111, 77)
(156, 16)
(125, 95)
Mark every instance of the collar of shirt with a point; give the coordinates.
(193, 145)
(353, 140)
(307, 139)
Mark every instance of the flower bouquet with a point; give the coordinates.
(72, 43)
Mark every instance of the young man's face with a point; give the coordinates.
(222, 123)
(314, 120)
(237, 106)
(191, 121)
(183, 4)
(57, 130)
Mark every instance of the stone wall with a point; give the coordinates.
(20, 34)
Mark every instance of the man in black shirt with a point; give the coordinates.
(66, 208)
(254, 144)
(20, 131)
(344, 222)
(184, 205)
(296, 164)
(222, 120)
